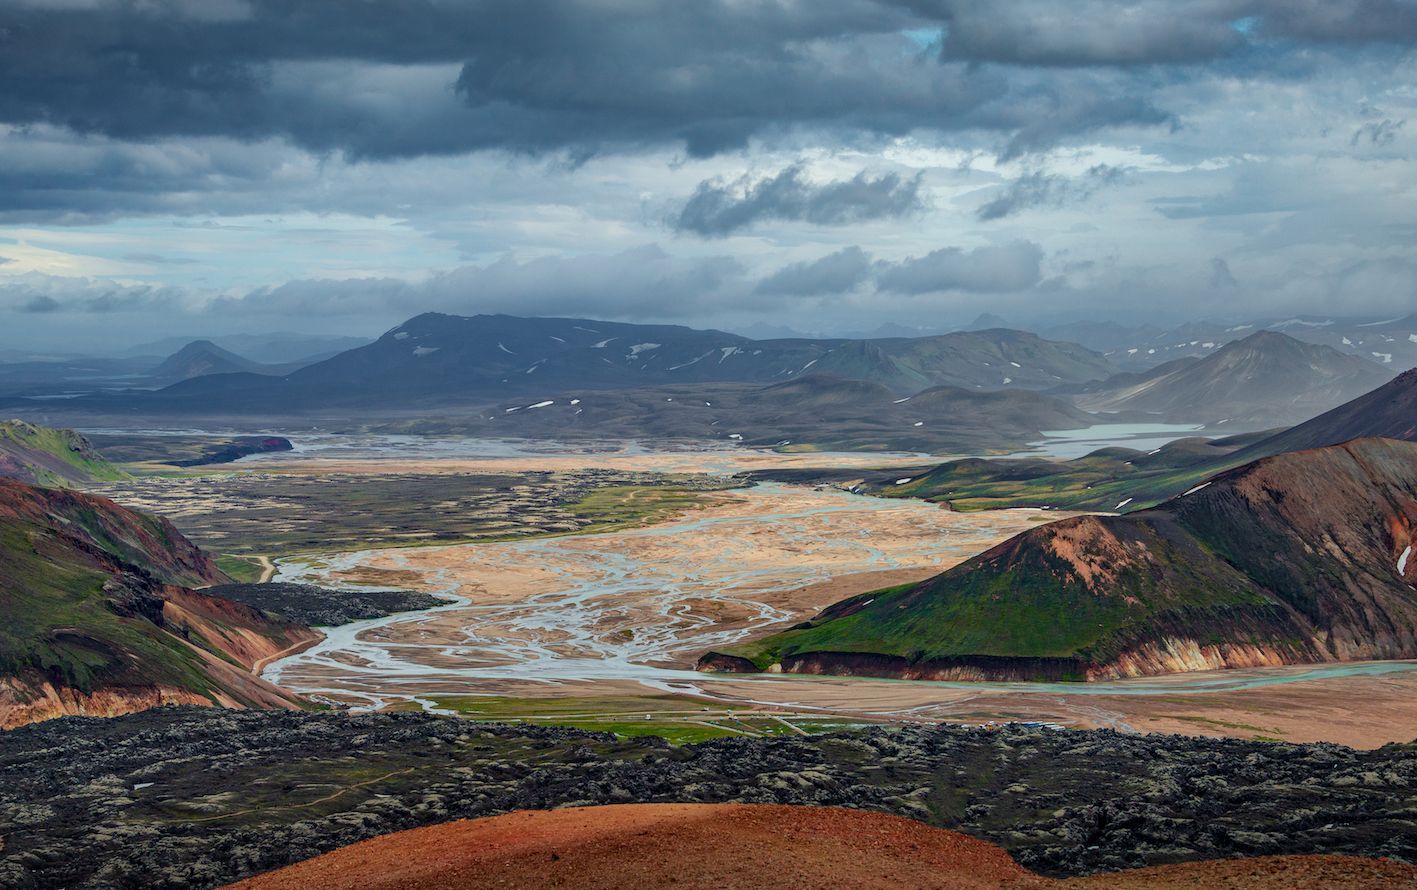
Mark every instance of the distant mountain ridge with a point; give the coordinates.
(1389, 411)
(1305, 557)
(1389, 341)
(1267, 379)
(439, 359)
(810, 412)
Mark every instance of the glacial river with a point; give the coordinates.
(636, 607)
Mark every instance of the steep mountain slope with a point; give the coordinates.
(1267, 379)
(1390, 411)
(43, 456)
(1300, 558)
(815, 411)
(99, 617)
(200, 358)
(443, 359)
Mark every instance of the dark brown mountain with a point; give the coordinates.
(201, 358)
(1304, 557)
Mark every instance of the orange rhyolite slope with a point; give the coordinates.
(752, 847)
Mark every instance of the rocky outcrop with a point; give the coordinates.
(323, 606)
(235, 449)
(1299, 558)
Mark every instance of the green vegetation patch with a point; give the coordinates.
(242, 569)
(632, 506)
(680, 720)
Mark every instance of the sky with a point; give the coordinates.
(206, 167)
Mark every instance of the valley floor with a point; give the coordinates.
(618, 618)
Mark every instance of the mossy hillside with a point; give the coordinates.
(1023, 604)
(58, 622)
(1108, 480)
(71, 457)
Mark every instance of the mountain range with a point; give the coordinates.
(1304, 557)
(1387, 341)
(442, 359)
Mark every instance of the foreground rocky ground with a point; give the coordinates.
(188, 797)
(737, 846)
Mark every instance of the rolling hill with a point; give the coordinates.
(43, 456)
(100, 616)
(437, 359)
(1266, 380)
(1304, 557)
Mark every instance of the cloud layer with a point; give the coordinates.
(277, 163)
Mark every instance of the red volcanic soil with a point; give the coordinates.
(762, 847)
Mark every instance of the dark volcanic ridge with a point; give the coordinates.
(198, 797)
(323, 606)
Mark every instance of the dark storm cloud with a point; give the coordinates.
(1001, 268)
(719, 208)
(411, 77)
(1340, 21)
(1039, 189)
(1089, 32)
(835, 273)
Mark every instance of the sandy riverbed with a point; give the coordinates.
(628, 612)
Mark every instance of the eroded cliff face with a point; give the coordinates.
(1301, 558)
(32, 698)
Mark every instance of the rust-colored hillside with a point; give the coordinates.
(100, 617)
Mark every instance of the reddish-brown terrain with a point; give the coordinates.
(755, 847)
(100, 616)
